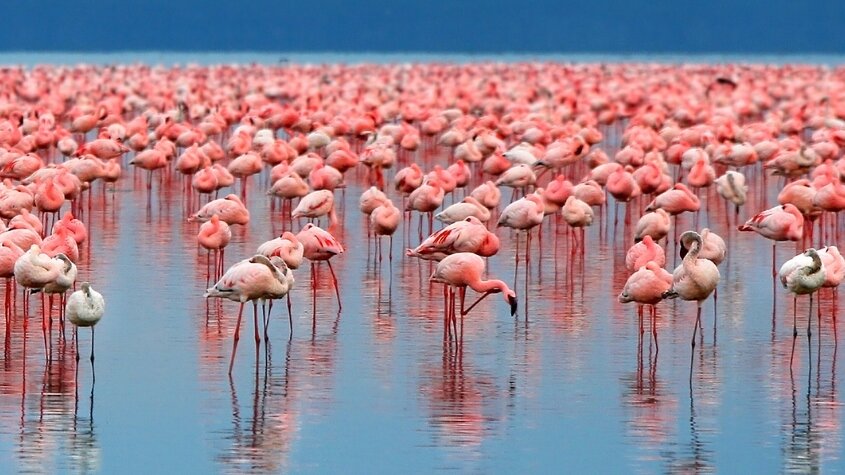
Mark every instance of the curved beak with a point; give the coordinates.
(683, 252)
(512, 301)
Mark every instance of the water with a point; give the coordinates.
(566, 385)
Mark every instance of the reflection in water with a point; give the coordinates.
(811, 429)
(260, 437)
(460, 403)
(54, 432)
(652, 410)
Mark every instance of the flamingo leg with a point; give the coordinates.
(92, 344)
(255, 321)
(640, 316)
(235, 338)
(654, 328)
(794, 330)
(290, 315)
(810, 318)
(695, 329)
(336, 289)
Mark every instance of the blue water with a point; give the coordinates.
(565, 386)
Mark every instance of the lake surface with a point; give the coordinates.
(567, 385)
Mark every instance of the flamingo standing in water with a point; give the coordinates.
(33, 270)
(63, 282)
(214, 235)
(85, 308)
(646, 286)
(463, 270)
(695, 279)
(384, 220)
(804, 274)
(291, 251)
(320, 245)
(781, 223)
(9, 254)
(523, 214)
(315, 205)
(834, 266)
(250, 280)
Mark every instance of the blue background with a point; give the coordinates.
(600, 26)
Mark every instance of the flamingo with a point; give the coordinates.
(320, 245)
(644, 252)
(467, 207)
(384, 220)
(468, 235)
(646, 286)
(317, 204)
(63, 282)
(804, 274)
(781, 223)
(85, 308)
(250, 280)
(695, 279)
(214, 235)
(463, 270)
(655, 224)
(230, 209)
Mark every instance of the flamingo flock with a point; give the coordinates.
(483, 154)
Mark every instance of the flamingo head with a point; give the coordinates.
(510, 298)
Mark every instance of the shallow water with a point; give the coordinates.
(567, 384)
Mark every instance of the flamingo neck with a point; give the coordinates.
(692, 255)
(489, 285)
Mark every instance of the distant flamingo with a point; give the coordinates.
(230, 209)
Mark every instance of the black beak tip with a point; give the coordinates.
(683, 252)
(513, 306)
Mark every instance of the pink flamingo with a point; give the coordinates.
(250, 280)
(9, 254)
(655, 224)
(384, 220)
(214, 235)
(646, 286)
(317, 204)
(320, 245)
(230, 209)
(463, 270)
(781, 223)
(644, 252)
(469, 235)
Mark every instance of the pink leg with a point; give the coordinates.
(235, 338)
(336, 289)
